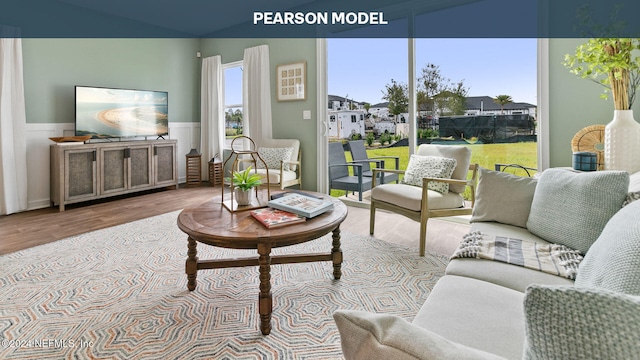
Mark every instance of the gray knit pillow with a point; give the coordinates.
(571, 209)
(565, 322)
(613, 261)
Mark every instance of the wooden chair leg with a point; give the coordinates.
(372, 218)
(423, 236)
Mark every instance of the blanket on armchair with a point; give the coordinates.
(551, 258)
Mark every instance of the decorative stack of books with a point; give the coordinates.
(291, 208)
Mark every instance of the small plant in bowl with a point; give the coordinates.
(244, 181)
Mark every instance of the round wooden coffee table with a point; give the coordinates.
(212, 224)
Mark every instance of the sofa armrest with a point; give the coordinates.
(369, 336)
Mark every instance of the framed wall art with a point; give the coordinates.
(292, 81)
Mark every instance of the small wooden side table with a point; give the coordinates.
(215, 171)
(194, 169)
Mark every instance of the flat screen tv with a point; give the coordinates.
(106, 113)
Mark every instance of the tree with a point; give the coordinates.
(458, 102)
(439, 94)
(431, 83)
(502, 100)
(452, 101)
(397, 96)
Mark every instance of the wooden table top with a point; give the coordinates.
(211, 223)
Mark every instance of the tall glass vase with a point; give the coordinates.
(622, 142)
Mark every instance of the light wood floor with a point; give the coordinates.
(31, 228)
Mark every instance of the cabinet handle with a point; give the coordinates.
(155, 151)
(94, 155)
(127, 153)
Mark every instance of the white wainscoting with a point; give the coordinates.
(38, 143)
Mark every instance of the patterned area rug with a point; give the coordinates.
(121, 293)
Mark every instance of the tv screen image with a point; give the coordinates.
(113, 113)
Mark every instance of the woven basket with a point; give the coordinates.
(588, 139)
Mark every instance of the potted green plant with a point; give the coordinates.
(244, 182)
(615, 64)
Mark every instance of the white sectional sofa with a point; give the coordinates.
(487, 309)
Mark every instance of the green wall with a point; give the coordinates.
(574, 103)
(287, 115)
(53, 66)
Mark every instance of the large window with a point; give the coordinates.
(479, 93)
(232, 73)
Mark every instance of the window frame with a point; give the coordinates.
(226, 107)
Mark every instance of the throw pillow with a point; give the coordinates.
(462, 154)
(565, 322)
(631, 197)
(571, 208)
(429, 166)
(273, 156)
(368, 336)
(503, 197)
(613, 261)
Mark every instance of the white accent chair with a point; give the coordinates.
(282, 172)
(419, 203)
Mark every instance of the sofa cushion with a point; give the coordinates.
(274, 175)
(576, 323)
(510, 276)
(571, 209)
(429, 166)
(503, 197)
(613, 261)
(274, 156)
(477, 314)
(410, 197)
(368, 336)
(462, 154)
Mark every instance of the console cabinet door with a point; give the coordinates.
(139, 167)
(113, 170)
(165, 168)
(80, 180)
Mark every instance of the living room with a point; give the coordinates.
(54, 66)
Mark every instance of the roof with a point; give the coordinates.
(343, 99)
(486, 103)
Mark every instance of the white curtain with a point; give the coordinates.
(13, 149)
(212, 111)
(256, 94)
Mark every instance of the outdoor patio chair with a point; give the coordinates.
(339, 177)
(360, 156)
(419, 203)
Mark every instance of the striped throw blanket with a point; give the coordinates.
(550, 258)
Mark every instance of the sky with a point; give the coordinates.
(360, 68)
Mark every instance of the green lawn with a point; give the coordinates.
(486, 155)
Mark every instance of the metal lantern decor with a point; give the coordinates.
(246, 192)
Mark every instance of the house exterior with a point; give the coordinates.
(484, 105)
(345, 123)
(343, 103)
